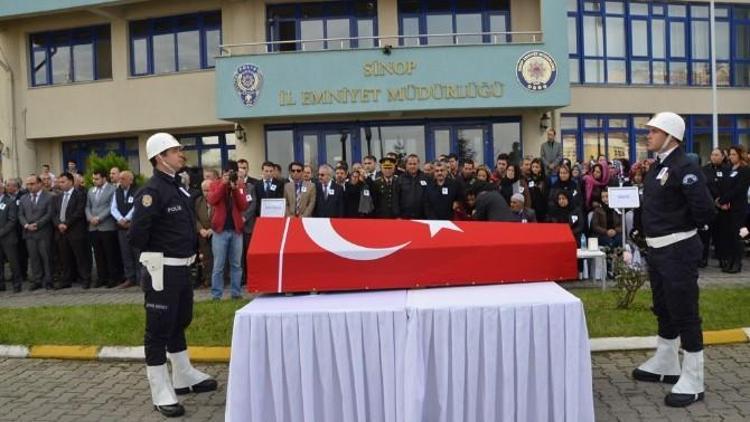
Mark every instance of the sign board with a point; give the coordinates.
(273, 207)
(624, 197)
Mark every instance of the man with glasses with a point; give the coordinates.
(299, 194)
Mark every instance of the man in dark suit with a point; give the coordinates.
(329, 200)
(268, 187)
(9, 239)
(14, 191)
(69, 218)
(35, 217)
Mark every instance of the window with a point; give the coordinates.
(435, 19)
(175, 43)
(340, 22)
(79, 151)
(74, 55)
(624, 136)
(208, 149)
(651, 43)
(315, 144)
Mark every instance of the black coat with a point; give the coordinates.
(333, 205)
(75, 215)
(491, 206)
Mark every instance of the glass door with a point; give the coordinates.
(337, 147)
(471, 143)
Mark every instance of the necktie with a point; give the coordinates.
(36, 198)
(64, 207)
(298, 198)
(268, 186)
(325, 191)
(97, 191)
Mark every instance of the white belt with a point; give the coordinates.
(670, 239)
(179, 262)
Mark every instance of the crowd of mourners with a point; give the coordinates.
(53, 229)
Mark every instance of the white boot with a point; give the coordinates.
(664, 366)
(689, 388)
(162, 392)
(185, 377)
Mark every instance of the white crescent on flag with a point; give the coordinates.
(322, 233)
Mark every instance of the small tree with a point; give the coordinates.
(104, 164)
(630, 276)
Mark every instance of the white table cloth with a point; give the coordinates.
(515, 352)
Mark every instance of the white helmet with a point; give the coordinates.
(669, 122)
(160, 142)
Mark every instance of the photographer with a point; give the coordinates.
(228, 201)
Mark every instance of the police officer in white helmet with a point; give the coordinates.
(163, 229)
(676, 202)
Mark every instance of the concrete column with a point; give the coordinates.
(253, 148)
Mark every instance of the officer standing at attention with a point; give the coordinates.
(676, 202)
(163, 228)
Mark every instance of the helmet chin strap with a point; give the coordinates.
(665, 146)
(170, 168)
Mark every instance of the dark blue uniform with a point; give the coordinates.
(164, 221)
(675, 200)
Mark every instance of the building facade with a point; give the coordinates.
(338, 80)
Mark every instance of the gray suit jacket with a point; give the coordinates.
(101, 208)
(8, 220)
(41, 214)
(550, 154)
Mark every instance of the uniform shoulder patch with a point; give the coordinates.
(689, 179)
(147, 200)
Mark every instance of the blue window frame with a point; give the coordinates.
(424, 17)
(654, 43)
(314, 144)
(79, 151)
(589, 135)
(292, 22)
(205, 150)
(73, 55)
(174, 43)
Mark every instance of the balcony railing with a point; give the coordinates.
(382, 41)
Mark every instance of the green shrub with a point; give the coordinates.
(104, 164)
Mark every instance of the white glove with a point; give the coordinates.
(154, 263)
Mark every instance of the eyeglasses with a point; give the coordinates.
(322, 174)
(296, 170)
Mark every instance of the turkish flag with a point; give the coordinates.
(320, 254)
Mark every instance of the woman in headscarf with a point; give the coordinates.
(565, 183)
(595, 181)
(538, 189)
(564, 211)
(512, 183)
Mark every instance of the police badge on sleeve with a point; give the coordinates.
(248, 81)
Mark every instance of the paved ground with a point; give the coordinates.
(61, 391)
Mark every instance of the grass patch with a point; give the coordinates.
(721, 308)
(122, 325)
(110, 325)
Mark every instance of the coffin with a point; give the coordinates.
(321, 254)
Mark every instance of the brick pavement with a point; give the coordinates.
(60, 391)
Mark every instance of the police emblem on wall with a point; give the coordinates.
(247, 82)
(536, 70)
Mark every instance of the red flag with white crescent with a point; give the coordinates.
(321, 254)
